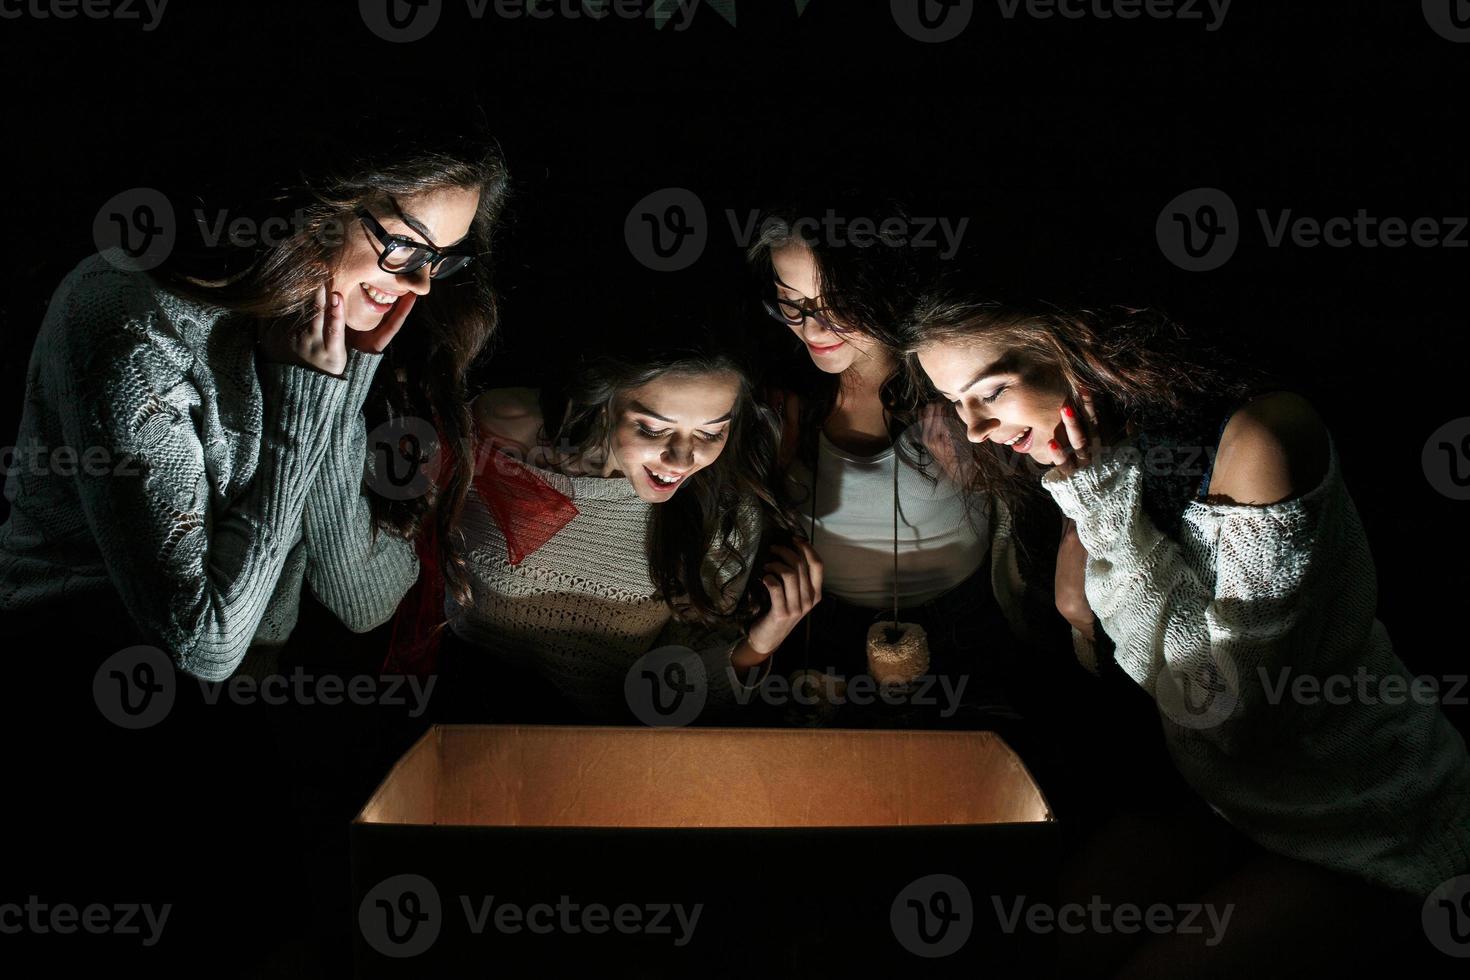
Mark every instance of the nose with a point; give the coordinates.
(977, 425)
(418, 281)
(679, 454)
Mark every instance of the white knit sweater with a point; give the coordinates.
(582, 608)
(1246, 597)
(249, 477)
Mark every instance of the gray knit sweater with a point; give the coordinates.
(1218, 627)
(160, 463)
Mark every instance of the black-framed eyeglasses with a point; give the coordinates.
(404, 256)
(794, 314)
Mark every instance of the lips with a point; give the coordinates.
(377, 300)
(1022, 441)
(824, 350)
(660, 481)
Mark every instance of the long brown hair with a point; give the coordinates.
(423, 374)
(1138, 365)
(693, 329)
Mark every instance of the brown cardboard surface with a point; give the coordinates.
(577, 776)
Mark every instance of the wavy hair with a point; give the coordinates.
(424, 371)
(702, 522)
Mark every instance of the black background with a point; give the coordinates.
(1060, 140)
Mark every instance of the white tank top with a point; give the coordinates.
(937, 547)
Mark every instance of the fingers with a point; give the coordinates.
(814, 564)
(334, 329)
(778, 594)
(796, 561)
(394, 320)
(1077, 436)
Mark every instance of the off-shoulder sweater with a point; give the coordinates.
(161, 467)
(1218, 625)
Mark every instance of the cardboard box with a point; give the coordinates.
(496, 850)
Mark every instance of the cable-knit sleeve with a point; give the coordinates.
(195, 573)
(1197, 646)
(715, 647)
(359, 573)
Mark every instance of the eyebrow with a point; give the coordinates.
(413, 222)
(786, 285)
(1002, 366)
(642, 409)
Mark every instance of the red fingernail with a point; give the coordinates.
(1067, 411)
(1056, 447)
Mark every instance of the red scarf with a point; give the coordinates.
(528, 511)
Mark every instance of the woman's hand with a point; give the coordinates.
(317, 342)
(375, 341)
(1081, 442)
(794, 580)
(1071, 579)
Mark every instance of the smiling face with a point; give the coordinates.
(1003, 394)
(796, 282)
(665, 431)
(441, 218)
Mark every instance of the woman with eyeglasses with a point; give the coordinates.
(882, 490)
(225, 397)
(624, 508)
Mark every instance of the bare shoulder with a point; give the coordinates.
(1273, 449)
(509, 415)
